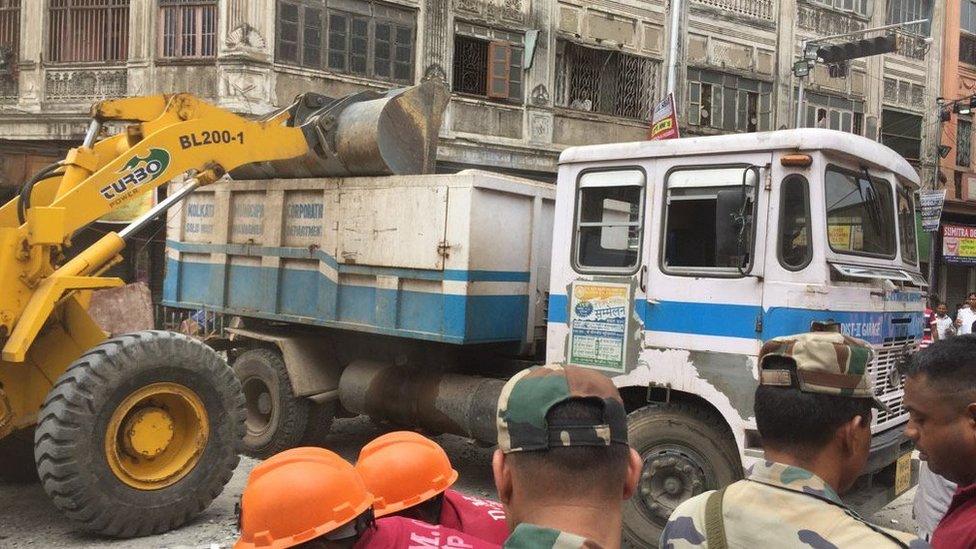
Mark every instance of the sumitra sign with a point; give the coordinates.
(959, 244)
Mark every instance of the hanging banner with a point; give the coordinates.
(664, 123)
(931, 202)
(959, 244)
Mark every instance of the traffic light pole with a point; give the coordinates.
(812, 56)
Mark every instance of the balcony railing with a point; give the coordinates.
(84, 84)
(760, 9)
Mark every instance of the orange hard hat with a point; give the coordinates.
(299, 495)
(402, 469)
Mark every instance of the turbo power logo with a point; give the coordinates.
(136, 172)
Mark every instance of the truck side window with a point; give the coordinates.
(700, 208)
(609, 221)
(795, 252)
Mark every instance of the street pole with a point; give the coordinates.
(674, 49)
(934, 235)
(799, 95)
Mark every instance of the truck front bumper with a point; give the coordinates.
(886, 447)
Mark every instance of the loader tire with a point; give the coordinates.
(17, 457)
(685, 451)
(140, 434)
(276, 418)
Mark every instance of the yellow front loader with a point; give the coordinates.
(135, 434)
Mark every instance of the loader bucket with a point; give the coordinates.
(364, 134)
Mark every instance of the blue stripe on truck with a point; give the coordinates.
(310, 297)
(728, 320)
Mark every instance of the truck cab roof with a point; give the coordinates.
(855, 147)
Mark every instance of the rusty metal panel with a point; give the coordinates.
(393, 227)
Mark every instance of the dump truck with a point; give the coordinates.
(664, 265)
(135, 434)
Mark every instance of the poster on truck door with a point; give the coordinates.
(598, 323)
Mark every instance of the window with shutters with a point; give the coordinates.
(9, 46)
(833, 112)
(88, 30)
(187, 28)
(366, 39)
(728, 102)
(903, 133)
(488, 63)
(604, 81)
(964, 143)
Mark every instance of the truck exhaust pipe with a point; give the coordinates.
(364, 134)
(441, 403)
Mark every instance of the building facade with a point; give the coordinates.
(955, 276)
(529, 77)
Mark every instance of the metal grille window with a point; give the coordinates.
(903, 133)
(903, 11)
(363, 39)
(604, 81)
(88, 30)
(967, 19)
(964, 143)
(728, 102)
(187, 28)
(487, 68)
(9, 45)
(860, 7)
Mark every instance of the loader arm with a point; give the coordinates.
(167, 136)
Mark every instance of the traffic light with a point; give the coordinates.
(858, 48)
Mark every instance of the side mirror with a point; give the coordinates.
(734, 222)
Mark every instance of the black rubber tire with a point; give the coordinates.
(319, 423)
(69, 440)
(684, 425)
(17, 457)
(282, 426)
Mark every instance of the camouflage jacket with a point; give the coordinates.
(780, 506)
(530, 536)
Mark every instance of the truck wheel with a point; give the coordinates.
(276, 418)
(140, 434)
(17, 457)
(685, 452)
(319, 423)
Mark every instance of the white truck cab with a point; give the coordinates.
(674, 260)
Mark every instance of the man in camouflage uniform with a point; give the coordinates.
(563, 467)
(813, 411)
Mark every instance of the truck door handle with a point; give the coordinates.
(642, 278)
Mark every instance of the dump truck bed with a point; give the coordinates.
(460, 258)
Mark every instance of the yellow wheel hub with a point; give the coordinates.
(156, 436)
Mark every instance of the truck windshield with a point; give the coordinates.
(860, 218)
(906, 226)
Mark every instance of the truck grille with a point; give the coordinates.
(888, 384)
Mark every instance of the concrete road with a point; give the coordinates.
(27, 518)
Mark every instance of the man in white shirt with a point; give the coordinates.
(942, 324)
(967, 315)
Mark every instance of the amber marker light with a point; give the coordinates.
(796, 160)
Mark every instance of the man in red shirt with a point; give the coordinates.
(410, 476)
(940, 395)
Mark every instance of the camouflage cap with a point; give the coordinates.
(527, 398)
(826, 362)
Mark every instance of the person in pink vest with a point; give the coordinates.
(411, 475)
(311, 498)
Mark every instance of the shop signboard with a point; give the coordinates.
(959, 244)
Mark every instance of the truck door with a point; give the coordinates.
(704, 289)
(606, 257)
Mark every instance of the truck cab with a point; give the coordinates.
(674, 260)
